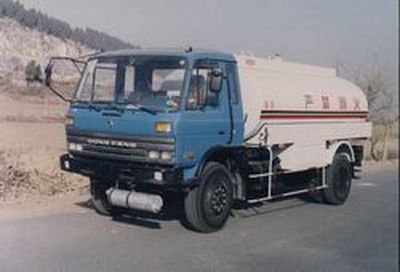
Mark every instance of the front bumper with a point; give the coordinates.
(123, 171)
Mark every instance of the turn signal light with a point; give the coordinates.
(162, 127)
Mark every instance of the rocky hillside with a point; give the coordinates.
(35, 19)
(20, 44)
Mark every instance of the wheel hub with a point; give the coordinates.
(218, 200)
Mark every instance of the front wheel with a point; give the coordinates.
(99, 198)
(338, 179)
(207, 207)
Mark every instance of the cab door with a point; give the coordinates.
(205, 120)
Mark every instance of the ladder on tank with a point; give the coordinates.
(270, 174)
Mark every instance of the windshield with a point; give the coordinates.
(152, 82)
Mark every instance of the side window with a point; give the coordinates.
(198, 89)
(199, 94)
(232, 76)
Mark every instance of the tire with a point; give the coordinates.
(99, 198)
(338, 180)
(208, 206)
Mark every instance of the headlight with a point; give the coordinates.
(72, 146)
(154, 154)
(75, 147)
(162, 127)
(79, 147)
(165, 155)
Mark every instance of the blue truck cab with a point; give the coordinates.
(152, 119)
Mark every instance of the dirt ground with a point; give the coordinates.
(31, 140)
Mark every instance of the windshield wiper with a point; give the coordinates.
(93, 106)
(116, 107)
(101, 105)
(131, 106)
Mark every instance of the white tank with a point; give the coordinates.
(279, 92)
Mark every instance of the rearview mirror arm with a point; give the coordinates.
(58, 94)
(49, 69)
(74, 61)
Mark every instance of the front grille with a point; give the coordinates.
(126, 148)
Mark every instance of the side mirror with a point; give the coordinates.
(48, 71)
(216, 80)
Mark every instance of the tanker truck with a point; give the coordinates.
(215, 128)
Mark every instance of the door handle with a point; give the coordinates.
(221, 132)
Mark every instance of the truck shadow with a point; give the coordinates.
(173, 211)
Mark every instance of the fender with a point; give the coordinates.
(332, 149)
(226, 155)
(212, 153)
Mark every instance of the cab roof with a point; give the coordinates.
(186, 53)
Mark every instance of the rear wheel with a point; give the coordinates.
(208, 206)
(338, 179)
(99, 198)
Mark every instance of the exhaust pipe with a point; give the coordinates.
(135, 200)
